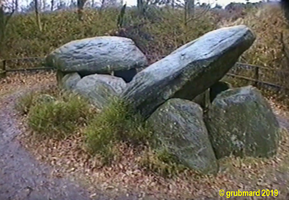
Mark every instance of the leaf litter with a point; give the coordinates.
(69, 158)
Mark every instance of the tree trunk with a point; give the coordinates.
(52, 5)
(80, 5)
(4, 19)
(37, 15)
(16, 5)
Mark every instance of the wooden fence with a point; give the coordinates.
(4, 67)
(256, 72)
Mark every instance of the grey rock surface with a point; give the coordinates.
(99, 89)
(241, 122)
(203, 99)
(179, 127)
(102, 54)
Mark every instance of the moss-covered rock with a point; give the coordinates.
(100, 89)
(241, 122)
(179, 128)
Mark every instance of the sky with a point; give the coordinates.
(222, 3)
(213, 2)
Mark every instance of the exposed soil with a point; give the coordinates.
(23, 177)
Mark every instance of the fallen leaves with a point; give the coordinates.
(69, 157)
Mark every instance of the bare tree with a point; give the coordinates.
(52, 5)
(16, 5)
(102, 5)
(140, 6)
(189, 10)
(80, 5)
(4, 19)
(37, 15)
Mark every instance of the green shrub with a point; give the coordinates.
(60, 118)
(116, 123)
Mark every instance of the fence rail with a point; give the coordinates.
(4, 67)
(256, 79)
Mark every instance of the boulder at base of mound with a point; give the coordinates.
(69, 81)
(190, 70)
(179, 127)
(102, 55)
(99, 89)
(217, 88)
(241, 122)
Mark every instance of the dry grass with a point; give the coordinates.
(271, 29)
(267, 22)
(18, 81)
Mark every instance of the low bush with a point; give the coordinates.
(59, 119)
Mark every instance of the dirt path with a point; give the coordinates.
(21, 176)
(24, 178)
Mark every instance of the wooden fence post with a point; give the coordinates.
(256, 76)
(3, 69)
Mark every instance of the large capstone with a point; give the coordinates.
(179, 128)
(241, 122)
(190, 70)
(103, 54)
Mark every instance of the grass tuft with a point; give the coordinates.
(25, 103)
(116, 123)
